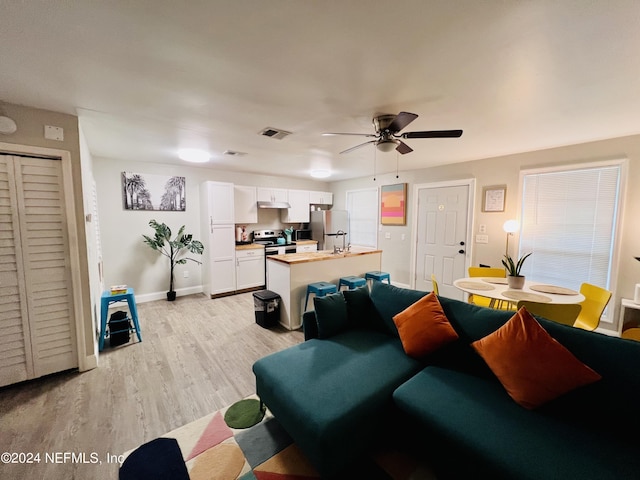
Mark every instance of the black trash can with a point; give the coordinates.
(267, 308)
(119, 328)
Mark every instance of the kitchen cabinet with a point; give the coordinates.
(218, 198)
(299, 211)
(321, 198)
(218, 237)
(250, 268)
(266, 194)
(245, 204)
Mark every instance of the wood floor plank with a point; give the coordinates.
(195, 358)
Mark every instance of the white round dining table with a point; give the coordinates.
(497, 290)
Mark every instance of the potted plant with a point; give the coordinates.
(173, 249)
(514, 279)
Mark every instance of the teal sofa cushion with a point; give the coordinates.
(332, 395)
(458, 416)
(331, 315)
(360, 309)
(389, 300)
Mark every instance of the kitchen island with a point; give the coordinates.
(288, 276)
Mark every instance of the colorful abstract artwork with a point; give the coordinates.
(393, 204)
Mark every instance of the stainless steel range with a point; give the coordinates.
(270, 239)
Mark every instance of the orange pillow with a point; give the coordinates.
(532, 366)
(423, 327)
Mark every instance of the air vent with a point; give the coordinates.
(274, 133)
(234, 153)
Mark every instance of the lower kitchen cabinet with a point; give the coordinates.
(250, 268)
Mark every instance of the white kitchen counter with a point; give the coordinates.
(288, 276)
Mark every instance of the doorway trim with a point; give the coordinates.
(84, 362)
(468, 182)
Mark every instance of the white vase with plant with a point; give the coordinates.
(514, 279)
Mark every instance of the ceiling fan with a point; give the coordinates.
(387, 136)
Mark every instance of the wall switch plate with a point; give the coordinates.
(482, 238)
(403, 236)
(387, 235)
(482, 228)
(185, 274)
(53, 133)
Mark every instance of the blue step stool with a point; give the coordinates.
(319, 289)
(352, 282)
(378, 276)
(106, 300)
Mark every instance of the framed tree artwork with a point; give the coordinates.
(493, 198)
(141, 191)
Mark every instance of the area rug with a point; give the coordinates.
(212, 450)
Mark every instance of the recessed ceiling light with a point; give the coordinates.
(320, 173)
(193, 155)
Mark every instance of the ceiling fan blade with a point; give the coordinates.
(433, 134)
(402, 120)
(357, 146)
(330, 134)
(403, 147)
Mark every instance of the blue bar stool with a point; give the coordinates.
(352, 282)
(378, 276)
(319, 289)
(106, 300)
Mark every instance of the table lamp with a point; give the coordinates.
(510, 226)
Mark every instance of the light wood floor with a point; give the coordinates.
(195, 358)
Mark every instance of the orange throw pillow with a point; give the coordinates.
(532, 366)
(423, 327)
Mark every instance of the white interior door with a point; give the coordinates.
(443, 215)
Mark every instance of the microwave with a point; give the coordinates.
(303, 234)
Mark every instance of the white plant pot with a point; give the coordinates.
(515, 283)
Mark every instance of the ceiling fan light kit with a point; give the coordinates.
(7, 125)
(387, 136)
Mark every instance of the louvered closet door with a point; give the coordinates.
(15, 338)
(49, 331)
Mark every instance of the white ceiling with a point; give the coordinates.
(149, 77)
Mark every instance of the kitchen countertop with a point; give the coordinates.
(304, 257)
(249, 246)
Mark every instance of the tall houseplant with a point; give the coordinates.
(173, 249)
(514, 279)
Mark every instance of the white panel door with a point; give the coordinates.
(44, 277)
(441, 238)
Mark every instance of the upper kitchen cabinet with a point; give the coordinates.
(321, 198)
(245, 207)
(220, 197)
(272, 194)
(299, 211)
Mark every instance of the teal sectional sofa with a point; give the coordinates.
(351, 381)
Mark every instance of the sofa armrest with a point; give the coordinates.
(310, 325)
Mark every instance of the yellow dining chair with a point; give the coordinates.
(594, 303)
(434, 282)
(486, 301)
(558, 312)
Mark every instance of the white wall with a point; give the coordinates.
(396, 257)
(127, 260)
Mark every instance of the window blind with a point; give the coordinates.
(568, 221)
(362, 206)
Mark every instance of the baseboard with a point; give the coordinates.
(89, 363)
(150, 297)
(400, 285)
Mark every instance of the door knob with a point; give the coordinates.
(461, 243)
(460, 251)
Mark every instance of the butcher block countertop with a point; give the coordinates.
(304, 257)
(249, 246)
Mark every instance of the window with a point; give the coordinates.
(569, 220)
(362, 206)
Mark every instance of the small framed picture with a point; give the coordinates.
(493, 198)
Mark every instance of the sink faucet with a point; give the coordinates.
(342, 234)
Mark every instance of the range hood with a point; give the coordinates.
(274, 205)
